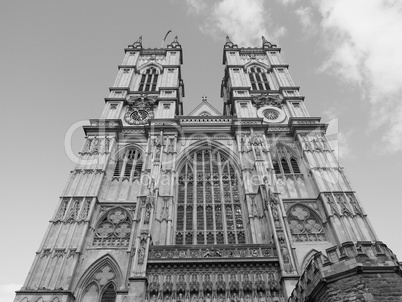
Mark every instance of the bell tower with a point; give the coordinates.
(248, 206)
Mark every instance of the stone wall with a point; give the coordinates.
(353, 272)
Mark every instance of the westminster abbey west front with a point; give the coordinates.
(250, 205)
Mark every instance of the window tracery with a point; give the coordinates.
(113, 229)
(304, 224)
(109, 294)
(149, 80)
(208, 209)
(258, 79)
(290, 180)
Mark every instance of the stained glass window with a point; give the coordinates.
(208, 185)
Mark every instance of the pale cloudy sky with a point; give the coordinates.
(59, 58)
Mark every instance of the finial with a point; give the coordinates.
(204, 98)
(175, 43)
(229, 44)
(266, 43)
(138, 43)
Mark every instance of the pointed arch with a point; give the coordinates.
(90, 293)
(307, 258)
(129, 161)
(113, 228)
(108, 293)
(40, 300)
(288, 166)
(209, 209)
(25, 299)
(101, 273)
(254, 63)
(151, 64)
(258, 76)
(56, 300)
(305, 224)
(209, 143)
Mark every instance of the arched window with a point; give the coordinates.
(208, 207)
(149, 80)
(109, 295)
(258, 79)
(304, 224)
(290, 180)
(113, 229)
(129, 164)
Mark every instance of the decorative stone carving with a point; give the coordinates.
(266, 99)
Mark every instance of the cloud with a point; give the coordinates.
(196, 6)
(245, 21)
(7, 291)
(339, 140)
(363, 42)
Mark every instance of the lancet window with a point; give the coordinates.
(208, 207)
(290, 180)
(149, 80)
(109, 294)
(258, 79)
(304, 224)
(113, 229)
(129, 164)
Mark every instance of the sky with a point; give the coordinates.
(58, 59)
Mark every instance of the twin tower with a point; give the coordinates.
(250, 205)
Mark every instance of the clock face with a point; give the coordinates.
(136, 116)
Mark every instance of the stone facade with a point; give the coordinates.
(248, 205)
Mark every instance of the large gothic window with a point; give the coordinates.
(258, 79)
(304, 224)
(129, 164)
(289, 179)
(149, 80)
(208, 207)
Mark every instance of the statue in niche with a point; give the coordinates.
(194, 298)
(286, 258)
(235, 298)
(258, 153)
(243, 147)
(208, 298)
(167, 298)
(248, 298)
(180, 298)
(141, 253)
(147, 214)
(221, 298)
(275, 296)
(153, 299)
(261, 297)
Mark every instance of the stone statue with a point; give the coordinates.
(261, 297)
(180, 298)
